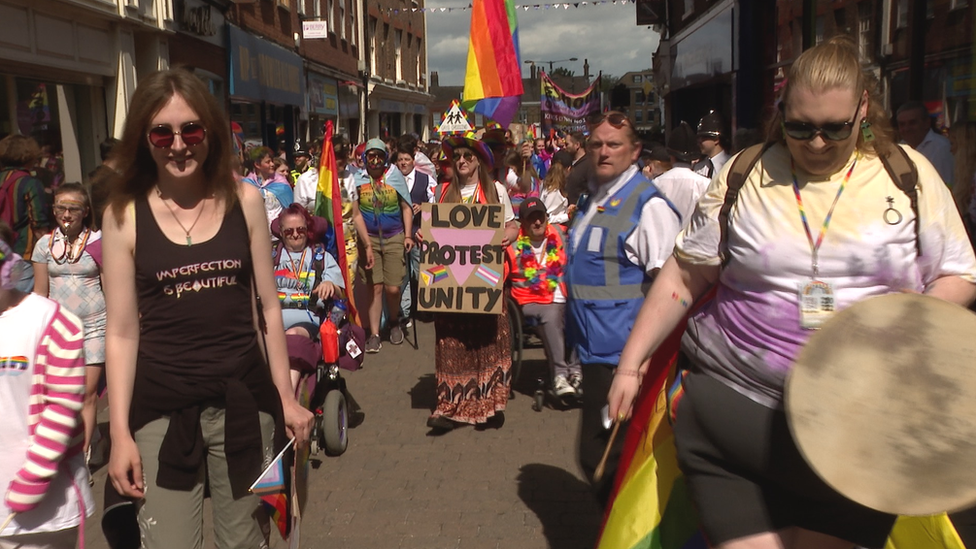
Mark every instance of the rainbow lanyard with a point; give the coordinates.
(297, 270)
(815, 247)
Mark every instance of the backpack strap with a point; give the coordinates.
(741, 168)
(903, 172)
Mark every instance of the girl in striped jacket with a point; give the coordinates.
(42, 385)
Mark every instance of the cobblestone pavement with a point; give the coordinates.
(399, 487)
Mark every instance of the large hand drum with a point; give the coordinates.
(882, 404)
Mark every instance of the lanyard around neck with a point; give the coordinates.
(296, 270)
(815, 247)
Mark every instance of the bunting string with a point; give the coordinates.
(523, 7)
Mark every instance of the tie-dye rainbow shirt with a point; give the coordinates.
(750, 333)
(380, 206)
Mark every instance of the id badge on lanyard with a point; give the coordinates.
(816, 300)
(816, 297)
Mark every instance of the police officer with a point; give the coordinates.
(710, 143)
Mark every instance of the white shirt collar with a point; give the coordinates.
(602, 191)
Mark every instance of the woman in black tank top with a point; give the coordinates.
(190, 388)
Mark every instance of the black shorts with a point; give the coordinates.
(746, 475)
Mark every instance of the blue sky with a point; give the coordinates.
(606, 35)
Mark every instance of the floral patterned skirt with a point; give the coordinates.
(474, 362)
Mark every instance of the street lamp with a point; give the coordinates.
(530, 62)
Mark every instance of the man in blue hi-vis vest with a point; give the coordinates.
(619, 239)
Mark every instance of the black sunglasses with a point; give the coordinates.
(191, 133)
(615, 119)
(834, 131)
(466, 155)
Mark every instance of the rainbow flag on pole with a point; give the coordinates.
(493, 80)
(328, 205)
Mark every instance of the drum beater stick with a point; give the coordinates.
(598, 474)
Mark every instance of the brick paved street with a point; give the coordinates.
(396, 487)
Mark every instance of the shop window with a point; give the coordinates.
(398, 53)
(353, 31)
(901, 14)
(864, 45)
(420, 52)
(373, 45)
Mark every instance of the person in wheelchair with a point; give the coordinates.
(306, 273)
(537, 260)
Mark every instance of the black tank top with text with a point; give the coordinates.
(194, 301)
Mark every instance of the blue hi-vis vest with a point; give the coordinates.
(606, 289)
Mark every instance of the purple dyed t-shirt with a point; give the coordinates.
(749, 335)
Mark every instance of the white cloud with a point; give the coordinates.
(606, 35)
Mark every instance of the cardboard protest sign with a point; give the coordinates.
(461, 258)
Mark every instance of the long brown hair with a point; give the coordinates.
(485, 181)
(135, 162)
(831, 65)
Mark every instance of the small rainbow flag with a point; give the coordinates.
(493, 79)
(273, 487)
(436, 274)
(488, 275)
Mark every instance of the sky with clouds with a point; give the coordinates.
(607, 35)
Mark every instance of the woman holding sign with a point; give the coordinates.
(472, 349)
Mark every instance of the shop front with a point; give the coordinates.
(702, 64)
(323, 104)
(267, 90)
(395, 111)
(67, 74)
(198, 44)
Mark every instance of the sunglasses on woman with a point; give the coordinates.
(468, 156)
(832, 131)
(296, 231)
(191, 133)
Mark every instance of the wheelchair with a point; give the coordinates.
(322, 389)
(521, 327)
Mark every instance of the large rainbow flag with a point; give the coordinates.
(651, 508)
(328, 205)
(493, 80)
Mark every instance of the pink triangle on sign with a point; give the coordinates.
(462, 237)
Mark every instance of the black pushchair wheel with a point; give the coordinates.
(335, 423)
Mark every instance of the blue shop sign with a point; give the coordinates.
(262, 71)
(323, 95)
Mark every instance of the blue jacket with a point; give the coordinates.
(606, 289)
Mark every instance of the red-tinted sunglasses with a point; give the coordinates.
(191, 133)
(300, 231)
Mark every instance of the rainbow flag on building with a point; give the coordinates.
(493, 79)
(328, 205)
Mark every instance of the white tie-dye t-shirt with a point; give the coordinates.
(750, 333)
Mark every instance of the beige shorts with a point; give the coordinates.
(389, 262)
